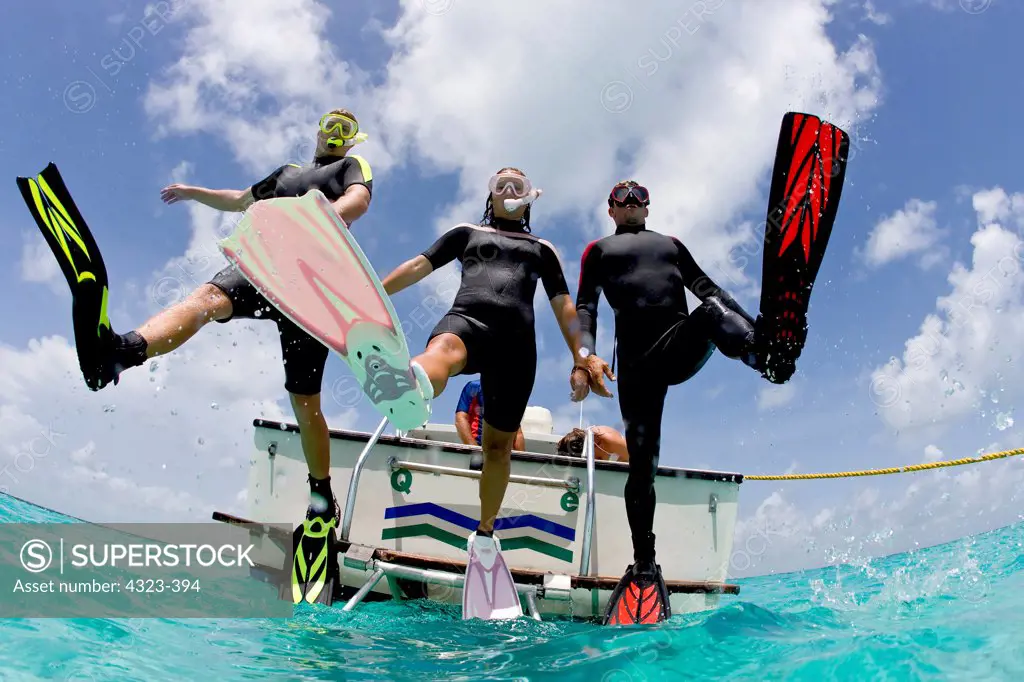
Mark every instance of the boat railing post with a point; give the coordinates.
(588, 524)
(350, 501)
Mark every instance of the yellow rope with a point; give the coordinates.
(890, 470)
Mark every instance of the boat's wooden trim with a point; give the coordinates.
(577, 462)
(522, 576)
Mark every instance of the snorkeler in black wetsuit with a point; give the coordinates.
(644, 275)
(347, 182)
(490, 327)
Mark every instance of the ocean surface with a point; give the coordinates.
(953, 612)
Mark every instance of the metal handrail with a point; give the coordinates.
(571, 483)
(588, 525)
(350, 501)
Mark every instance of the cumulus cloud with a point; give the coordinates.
(582, 104)
(260, 84)
(909, 231)
(969, 349)
(773, 397)
(867, 518)
(171, 442)
(872, 14)
(39, 266)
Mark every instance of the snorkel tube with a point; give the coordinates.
(513, 204)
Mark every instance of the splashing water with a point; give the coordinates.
(949, 612)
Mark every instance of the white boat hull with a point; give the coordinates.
(400, 507)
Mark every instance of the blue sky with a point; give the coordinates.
(925, 93)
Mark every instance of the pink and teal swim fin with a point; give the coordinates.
(489, 592)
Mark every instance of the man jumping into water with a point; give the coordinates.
(644, 275)
(347, 182)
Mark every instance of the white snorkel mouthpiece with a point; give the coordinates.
(513, 204)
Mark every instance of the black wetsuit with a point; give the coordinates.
(304, 356)
(644, 275)
(493, 310)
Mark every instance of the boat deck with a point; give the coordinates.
(521, 576)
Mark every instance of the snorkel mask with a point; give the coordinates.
(518, 189)
(337, 130)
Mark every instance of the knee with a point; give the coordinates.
(497, 446)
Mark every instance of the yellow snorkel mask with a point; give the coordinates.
(337, 130)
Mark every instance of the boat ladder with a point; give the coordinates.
(366, 558)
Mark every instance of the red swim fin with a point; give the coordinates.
(640, 598)
(807, 181)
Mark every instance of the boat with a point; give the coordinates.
(410, 501)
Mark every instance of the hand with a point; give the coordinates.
(598, 369)
(590, 376)
(579, 383)
(177, 192)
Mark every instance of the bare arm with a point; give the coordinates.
(236, 200)
(352, 204)
(462, 426)
(407, 274)
(565, 313)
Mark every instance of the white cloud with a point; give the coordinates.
(970, 348)
(39, 266)
(773, 397)
(995, 205)
(172, 441)
(260, 83)
(867, 518)
(932, 453)
(579, 108)
(910, 230)
(872, 14)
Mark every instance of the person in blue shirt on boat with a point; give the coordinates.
(469, 417)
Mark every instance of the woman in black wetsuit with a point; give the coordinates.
(490, 327)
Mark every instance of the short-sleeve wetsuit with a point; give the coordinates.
(304, 356)
(644, 275)
(493, 309)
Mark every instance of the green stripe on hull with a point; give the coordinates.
(509, 544)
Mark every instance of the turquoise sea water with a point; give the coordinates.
(954, 612)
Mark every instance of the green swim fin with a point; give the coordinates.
(315, 564)
(72, 244)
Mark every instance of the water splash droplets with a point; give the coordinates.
(109, 408)
(214, 406)
(1004, 421)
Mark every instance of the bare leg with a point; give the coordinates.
(314, 434)
(497, 447)
(520, 442)
(170, 328)
(445, 357)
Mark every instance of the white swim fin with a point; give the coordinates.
(489, 591)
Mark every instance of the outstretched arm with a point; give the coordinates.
(406, 274)
(221, 199)
(443, 251)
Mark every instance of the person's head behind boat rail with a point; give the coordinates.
(571, 444)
